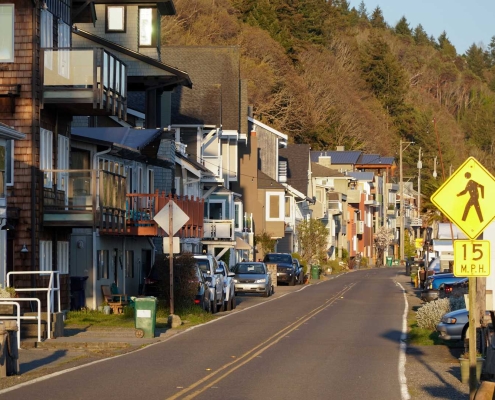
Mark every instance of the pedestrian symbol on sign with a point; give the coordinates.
(472, 189)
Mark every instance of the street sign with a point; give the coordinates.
(179, 218)
(471, 258)
(465, 198)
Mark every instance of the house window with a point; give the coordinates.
(63, 257)
(6, 33)
(45, 255)
(237, 216)
(63, 55)
(46, 156)
(103, 265)
(275, 206)
(46, 37)
(3, 163)
(148, 27)
(129, 264)
(287, 206)
(9, 163)
(63, 162)
(116, 17)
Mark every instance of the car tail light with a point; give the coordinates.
(196, 301)
(448, 289)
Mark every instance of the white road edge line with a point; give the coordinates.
(402, 349)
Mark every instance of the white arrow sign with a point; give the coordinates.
(179, 218)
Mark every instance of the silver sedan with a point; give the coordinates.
(454, 325)
(252, 277)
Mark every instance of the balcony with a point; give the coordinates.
(354, 196)
(84, 82)
(391, 209)
(98, 199)
(218, 229)
(416, 221)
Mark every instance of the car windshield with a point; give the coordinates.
(204, 265)
(249, 269)
(285, 258)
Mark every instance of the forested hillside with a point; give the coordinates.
(328, 75)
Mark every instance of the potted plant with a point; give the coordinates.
(464, 362)
(106, 308)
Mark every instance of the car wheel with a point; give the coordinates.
(214, 306)
(234, 302)
(228, 304)
(267, 292)
(207, 305)
(273, 290)
(221, 306)
(292, 281)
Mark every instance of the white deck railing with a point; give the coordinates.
(15, 302)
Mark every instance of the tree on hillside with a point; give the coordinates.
(402, 27)
(362, 11)
(491, 52)
(313, 241)
(376, 19)
(420, 36)
(384, 74)
(477, 60)
(446, 47)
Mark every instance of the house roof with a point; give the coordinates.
(268, 128)
(375, 159)
(265, 182)
(318, 170)
(362, 176)
(174, 77)
(297, 157)
(337, 157)
(193, 163)
(132, 144)
(9, 133)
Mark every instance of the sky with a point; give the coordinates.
(466, 22)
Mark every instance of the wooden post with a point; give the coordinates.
(472, 338)
(171, 254)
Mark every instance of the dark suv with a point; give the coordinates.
(286, 269)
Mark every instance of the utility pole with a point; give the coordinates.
(401, 185)
(420, 165)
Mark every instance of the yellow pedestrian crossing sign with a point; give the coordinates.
(467, 198)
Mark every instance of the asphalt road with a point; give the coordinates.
(338, 339)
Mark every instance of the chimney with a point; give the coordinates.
(326, 161)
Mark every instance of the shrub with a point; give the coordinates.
(431, 313)
(303, 263)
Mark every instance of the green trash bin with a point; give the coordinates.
(315, 272)
(145, 316)
(389, 261)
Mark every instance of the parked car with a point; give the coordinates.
(252, 277)
(298, 271)
(436, 283)
(203, 296)
(228, 287)
(455, 324)
(450, 287)
(214, 277)
(286, 271)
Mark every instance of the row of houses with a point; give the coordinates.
(101, 126)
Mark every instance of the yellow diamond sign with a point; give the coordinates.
(467, 198)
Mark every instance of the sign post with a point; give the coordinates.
(465, 199)
(165, 219)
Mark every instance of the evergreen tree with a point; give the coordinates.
(384, 75)
(377, 20)
(343, 6)
(402, 27)
(362, 11)
(476, 60)
(446, 47)
(420, 36)
(491, 52)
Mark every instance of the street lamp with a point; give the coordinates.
(402, 219)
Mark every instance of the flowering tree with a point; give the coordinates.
(313, 237)
(383, 238)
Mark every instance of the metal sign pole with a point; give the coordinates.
(472, 338)
(171, 254)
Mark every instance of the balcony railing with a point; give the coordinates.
(90, 76)
(218, 229)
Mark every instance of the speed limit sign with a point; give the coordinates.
(471, 258)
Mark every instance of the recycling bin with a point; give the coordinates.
(145, 316)
(389, 261)
(315, 272)
(77, 292)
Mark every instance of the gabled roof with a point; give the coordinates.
(320, 171)
(337, 157)
(375, 159)
(268, 128)
(297, 157)
(193, 163)
(128, 143)
(265, 182)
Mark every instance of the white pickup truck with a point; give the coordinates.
(215, 279)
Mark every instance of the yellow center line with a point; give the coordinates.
(255, 351)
